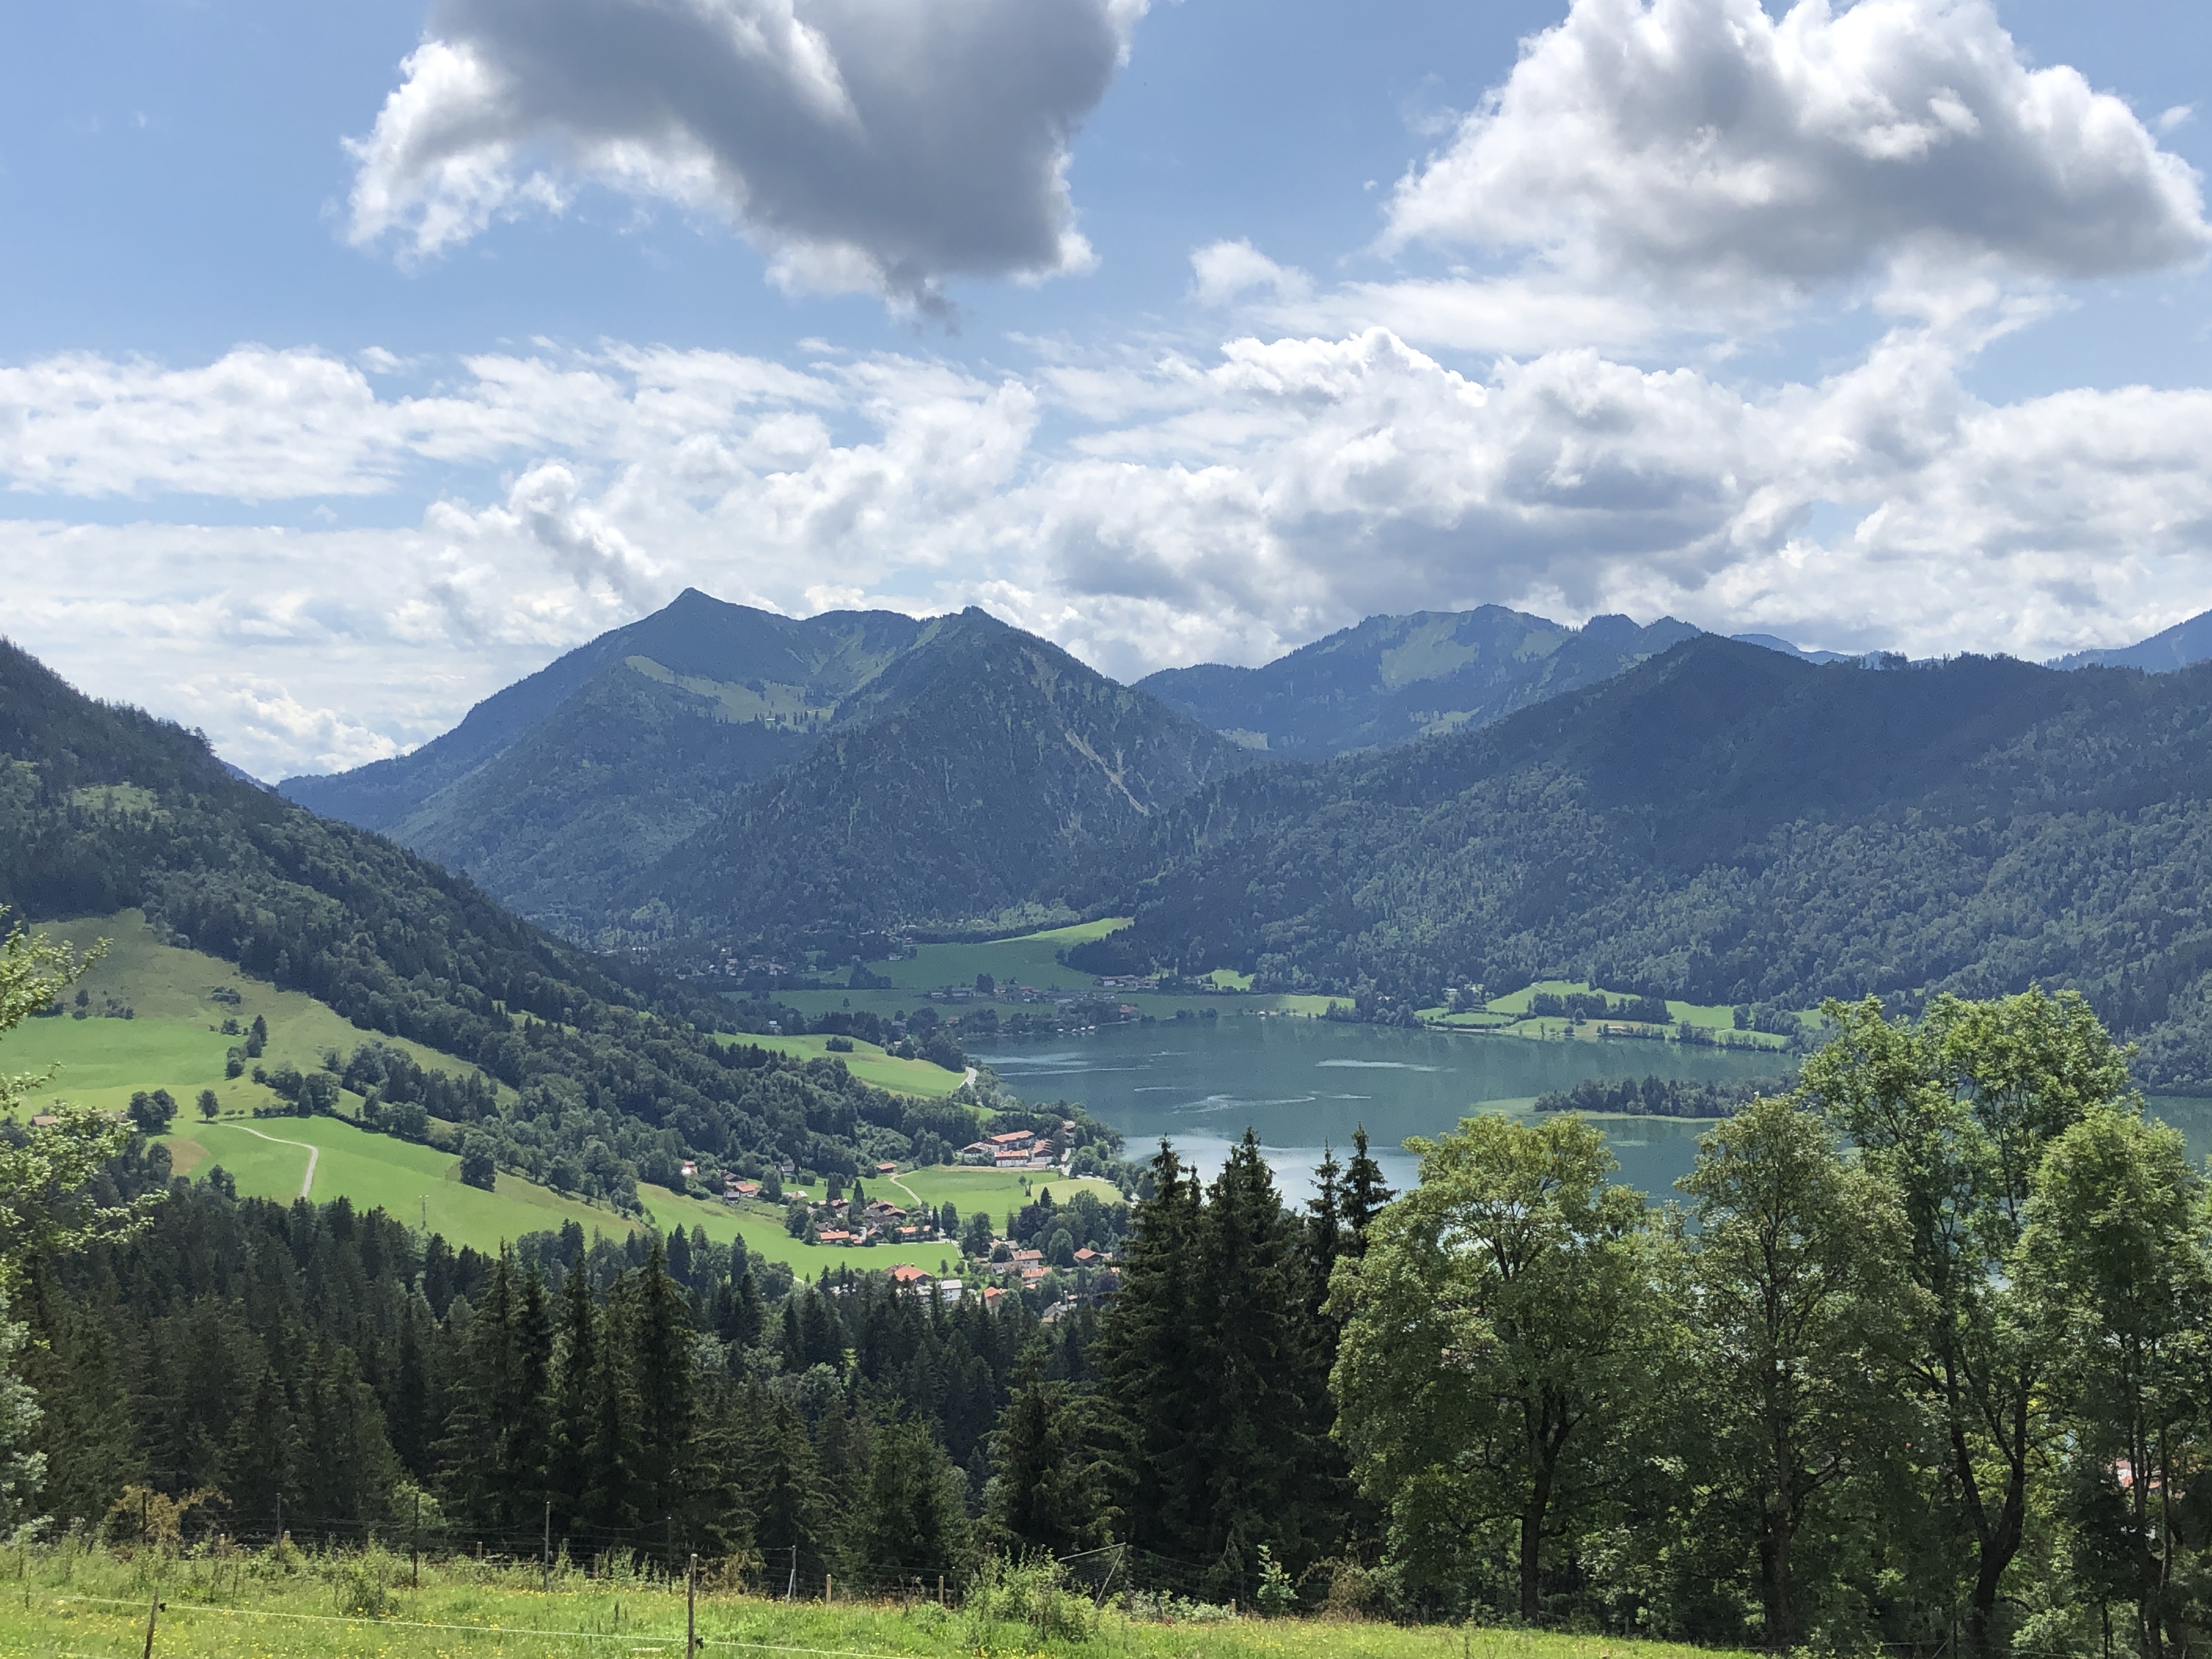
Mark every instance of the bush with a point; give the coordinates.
(839, 1045)
(1278, 1595)
(1034, 1592)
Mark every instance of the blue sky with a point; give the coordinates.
(355, 360)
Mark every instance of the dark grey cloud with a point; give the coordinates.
(881, 144)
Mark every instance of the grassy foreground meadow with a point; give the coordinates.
(95, 1605)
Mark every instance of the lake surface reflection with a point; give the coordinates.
(1299, 1082)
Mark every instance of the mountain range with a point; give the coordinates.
(1392, 679)
(1496, 798)
(1728, 824)
(716, 778)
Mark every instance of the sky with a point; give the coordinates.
(356, 361)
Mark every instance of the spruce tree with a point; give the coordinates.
(575, 1367)
(1047, 1493)
(1365, 1194)
(1151, 1355)
(793, 1345)
(661, 1335)
(610, 1501)
(790, 1522)
(912, 1519)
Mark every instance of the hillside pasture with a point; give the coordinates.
(416, 1184)
(868, 1062)
(178, 999)
(997, 1191)
(761, 1226)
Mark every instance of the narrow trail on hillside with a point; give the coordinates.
(312, 1153)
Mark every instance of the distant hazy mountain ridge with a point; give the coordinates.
(1391, 679)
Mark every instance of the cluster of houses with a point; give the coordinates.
(1018, 1149)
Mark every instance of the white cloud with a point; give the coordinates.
(1724, 157)
(1142, 512)
(1227, 271)
(878, 145)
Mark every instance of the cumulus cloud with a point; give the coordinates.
(1142, 513)
(1722, 155)
(1226, 271)
(865, 144)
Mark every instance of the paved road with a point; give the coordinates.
(312, 1153)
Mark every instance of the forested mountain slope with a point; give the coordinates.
(2176, 647)
(999, 764)
(1392, 679)
(1729, 825)
(103, 807)
(746, 665)
(563, 788)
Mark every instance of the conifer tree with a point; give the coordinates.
(86, 1435)
(793, 1340)
(785, 1484)
(912, 1518)
(1365, 1193)
(412, 1419)
(1149, 1350)
(575, 1368)
(1047, 1492)
(612, 1499)
(661, 1333)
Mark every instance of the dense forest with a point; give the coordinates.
(1726, 824)
(1915, 1362)
(971, 779)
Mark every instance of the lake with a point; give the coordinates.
(1299, 1082)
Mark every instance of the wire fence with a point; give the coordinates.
(659, 1552)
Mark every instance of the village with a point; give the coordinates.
(1040, 1254)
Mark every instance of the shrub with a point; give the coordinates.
(1033, 1591)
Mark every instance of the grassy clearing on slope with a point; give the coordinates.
(175, 1040)
(869, 1063)
(1510, 1014)
(1031, 959)
(997, 1191)
(761, 1226)
(416, 1184)
(91, 1603)
(1160, 1005)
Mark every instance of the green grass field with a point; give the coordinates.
(418, 1185)
(1031, 960)
(761, 1226)
(95, 1605)
(997, 1191)
(1509, 1014)
(1028, 960)
(869, 1063)
(175, 1042)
